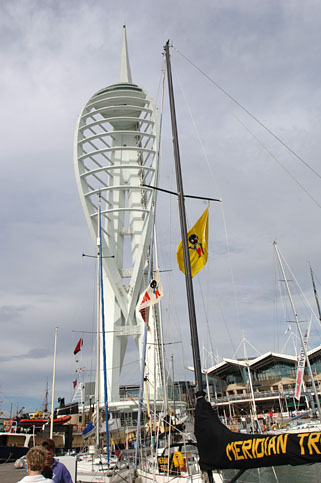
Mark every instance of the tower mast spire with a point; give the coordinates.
(125, 75)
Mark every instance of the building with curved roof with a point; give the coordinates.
(269, 378)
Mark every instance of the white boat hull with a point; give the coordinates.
(86, 475)
(91, 469)
(145, 476)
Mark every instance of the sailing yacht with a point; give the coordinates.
(178, 460)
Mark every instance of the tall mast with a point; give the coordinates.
(298, 327)
(315, 294)
(102, 315)
(149, 275)
(46, 399)
(250, 382)
(182, 215)
(97, 385)
(53, 385)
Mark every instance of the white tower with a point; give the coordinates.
(115, 152)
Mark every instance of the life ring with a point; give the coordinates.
(75, 428)
(178, 460)
(82, 427)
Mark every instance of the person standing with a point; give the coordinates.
(60, 474)
(36, 458)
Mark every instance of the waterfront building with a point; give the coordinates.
(272, 377)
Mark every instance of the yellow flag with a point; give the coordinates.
(197, 245)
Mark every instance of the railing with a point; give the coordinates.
(258, 395)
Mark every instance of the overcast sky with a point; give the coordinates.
(54, 56)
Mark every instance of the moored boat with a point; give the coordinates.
(14, 445)
(29, 422)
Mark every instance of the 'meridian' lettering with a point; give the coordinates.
(259, 447)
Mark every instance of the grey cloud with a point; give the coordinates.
(12, 313)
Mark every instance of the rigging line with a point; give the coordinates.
(274, 157)
(249, 113)
(235, 293)
(218, 303)
(206, 317)
(282, 295)
(114, 367)
(206, 198)
(160, 82)
(93, 312)
(279, 308)
(300, 289)
(149, 275)
(176, 316)
(166, 343)
(173, 234)
(316, 277)
(280, 164)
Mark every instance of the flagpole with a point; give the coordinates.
(53, 385)
(183, 224)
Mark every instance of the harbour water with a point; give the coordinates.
(280, 474)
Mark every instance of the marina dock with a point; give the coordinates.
(10, 474)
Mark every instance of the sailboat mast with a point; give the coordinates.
(182, 215)
(315, 294)
(53, 385)
(102, 314)
(298, 327)
(250, 382)
(97, 386)
(46, 399)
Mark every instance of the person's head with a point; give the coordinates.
(36, 458)
(47, 472)
(49, 447)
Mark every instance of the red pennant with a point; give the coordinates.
(78, 346)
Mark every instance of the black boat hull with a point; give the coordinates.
(12, 453)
